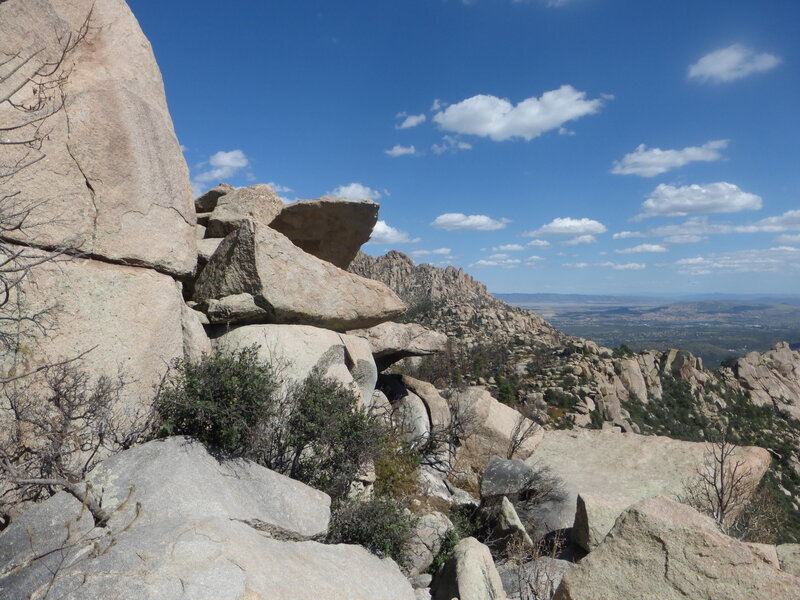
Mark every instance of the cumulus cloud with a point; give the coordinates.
(624, 235)
(355, 191)
(533, 259)
(222, 165)
(788, 221)
(577, 265)
(567, 226)
(670, 201)
(383, 233)
(450, 144)
(508, 248)
(581, 239)
(410, 120)
(642, 248)
(280, 189)
(777, 259)
(498, 119)
(632, 266)
(649, 162)
(685, 238)
(456, 221)
(498, 261)
(398, 150)
(538, 243)
(731, 63)
(788, 239)
(444, 252)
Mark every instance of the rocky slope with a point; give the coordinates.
(451, 301)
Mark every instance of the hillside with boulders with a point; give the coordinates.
(222, 398)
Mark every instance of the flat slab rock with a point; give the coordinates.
(273, 281)
(622, 467)
(661, 549)
(391, 342)
(113, 181)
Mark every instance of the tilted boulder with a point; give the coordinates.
(391, 342)
(122, 320)
(624, 468)
(274, 281)
(332, 229)
(662, 549)
(258, 203)
(296, 350)
(109, 178)
(469, 574)
(208, 202)
(191, 527)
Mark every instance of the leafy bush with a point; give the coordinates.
(382, 525)
(315, 432)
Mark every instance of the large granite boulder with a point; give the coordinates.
(296, 350)
(661, 549)
(191, 527)
(772, 378)
(332, 229)
(256, 202)
(391, 342)
(789, 558)
(109, 178)
(469, 574)
(258, 275)
(207, 202)
(429, 533)
(491, 426)
(622, 468)
(124, 320)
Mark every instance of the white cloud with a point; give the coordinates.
(564, 226)
(437, 251)
(533, 259)
(788, 221)
(578, 265)
(788, 238)
(507, 263)
(223, 165)
(498, 119)
(743, 261)
(642, 248)
(687, 238)
(623, 266)
(383, 233)
(624, 235)
(437, 105)
(670, 201)
(499, 256)
(455, 221)
(355, 191)
(538, 243)
(565, 131)
(655, 161)
(410, 120)
(280, 189)
(508, 248)
(731, 63)
(581, 239)
(450, 144)
(398, 150)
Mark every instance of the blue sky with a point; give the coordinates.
(576, 146)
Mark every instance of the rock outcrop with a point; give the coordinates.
(661, 549)
(109, 179)
(391, 342)
(247, 280)
(189, 527)
(772, 378)
(332, 229)
(256, 202)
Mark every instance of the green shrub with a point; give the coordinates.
(222, 400)
(381, 525)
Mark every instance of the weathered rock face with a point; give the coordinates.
(662, 549)
(257, 274)
(128, 320)
(623, 468)
(256, 202)
(391, 342)
(194, 529)
(429, 533)
(332, 229)
(772, 378)
(469, 574)
(112, 180)
(296, 350)
(493, 425)
(789, 558)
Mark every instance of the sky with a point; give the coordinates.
(556, 146)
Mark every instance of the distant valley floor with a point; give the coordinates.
(714, 329)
